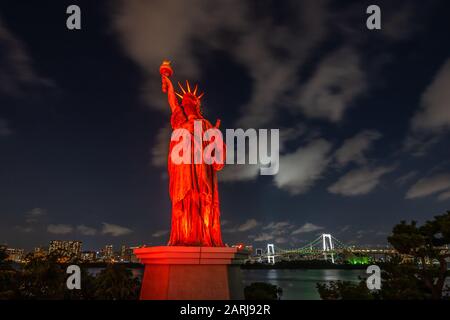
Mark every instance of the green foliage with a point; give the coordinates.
(345, 290)
(400, 281)
(355, 260)
(115, 282)
(425, 245)
(44, 278)
(262, 291)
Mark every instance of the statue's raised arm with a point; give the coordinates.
(167, 87)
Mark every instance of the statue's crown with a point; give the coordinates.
(188, 92)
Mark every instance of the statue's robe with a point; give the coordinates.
(194, 192)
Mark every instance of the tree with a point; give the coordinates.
(116, 282)
(42, 278)
(427, 246)
(345, 290)
(262, 291)
(8, 278)
(399, 281)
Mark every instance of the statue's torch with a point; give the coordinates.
(165, 70)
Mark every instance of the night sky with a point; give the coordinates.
(364, 117)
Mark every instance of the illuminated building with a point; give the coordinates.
(125, 254)
(40, 252)
(88, 256)
(133, 257)
(243, 247)
(68, 248)
(15, 255)
(108, 253)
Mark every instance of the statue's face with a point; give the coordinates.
(191, 104)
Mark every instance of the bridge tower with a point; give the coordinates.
(270, 253)
(327, 245)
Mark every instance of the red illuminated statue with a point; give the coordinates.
(193, 187)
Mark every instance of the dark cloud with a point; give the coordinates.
(16, 66)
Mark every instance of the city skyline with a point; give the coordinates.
(363, 116)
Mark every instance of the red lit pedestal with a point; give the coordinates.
(191, 273)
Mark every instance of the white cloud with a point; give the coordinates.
(301, 169)
(307, 227)
(115, 230)
(359, 181)
(428, 186)
(353, 149)
(34, 215)
(277, 225)
(282, 232)
(85, 230)
(59, 228)
(248, 225)
(16, 66)
(36, 212)
(336, 83)
(160, 233)
(239, 172)
(406, 178)
(434, 114)
(263, 237)
(25, 229)
(281, 240)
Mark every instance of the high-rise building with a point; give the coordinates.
(40, 252)
(88, 256)
(123, 253)
(108, 253)
(70, 248)
(133, 257)
(15, 255)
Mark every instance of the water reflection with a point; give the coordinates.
(299, 284)
(296, 284)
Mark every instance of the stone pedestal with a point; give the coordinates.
(191, 273)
